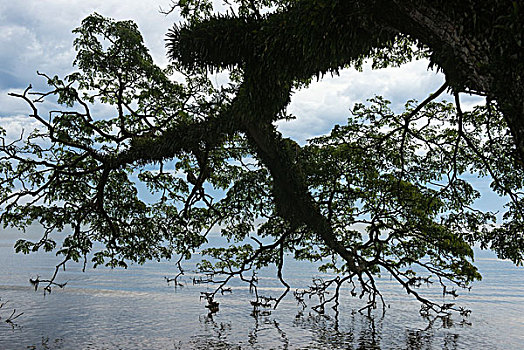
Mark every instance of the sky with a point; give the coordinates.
(37, 35)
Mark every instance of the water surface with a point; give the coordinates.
(137, 309)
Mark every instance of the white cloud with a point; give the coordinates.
(328, 101)
(17, 126)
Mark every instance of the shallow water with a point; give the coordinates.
(137, 309)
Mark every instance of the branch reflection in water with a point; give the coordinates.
(364, 332)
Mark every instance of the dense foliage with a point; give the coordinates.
(385, 193)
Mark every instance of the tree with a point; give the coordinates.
(384, 193)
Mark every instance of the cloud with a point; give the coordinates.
(328, 101)
(17, 126)
(20, 47)
(36, 35)
(11, 105)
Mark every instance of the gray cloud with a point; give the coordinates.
(37, 35)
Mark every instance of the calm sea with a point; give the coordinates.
(137, 309)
